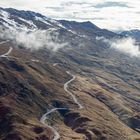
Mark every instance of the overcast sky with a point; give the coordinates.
(110, 14)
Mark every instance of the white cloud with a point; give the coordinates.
(125, 45)
(111, 14)
(34, 40)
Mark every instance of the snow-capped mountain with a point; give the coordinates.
(25, 20)
(132, 33)
(28, 21)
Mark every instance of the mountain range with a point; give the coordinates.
(132, 33)
(61, 80)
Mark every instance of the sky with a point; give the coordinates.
(116, 15)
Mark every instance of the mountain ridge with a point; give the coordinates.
(135, 33)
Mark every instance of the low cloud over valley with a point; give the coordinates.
(34, 40)
(126, 45)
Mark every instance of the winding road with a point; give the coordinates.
(70, 93)
(8, 52)
(44, 117)
(55, 64)
(3, 42)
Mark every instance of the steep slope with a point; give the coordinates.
(84, 29)
(25, 20)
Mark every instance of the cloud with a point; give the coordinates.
(126, 45)
(111, 4)
(110, 14)
(34, 40)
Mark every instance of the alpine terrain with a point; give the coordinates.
(62, 80)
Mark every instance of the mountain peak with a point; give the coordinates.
(86, 24)
(89, 24)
